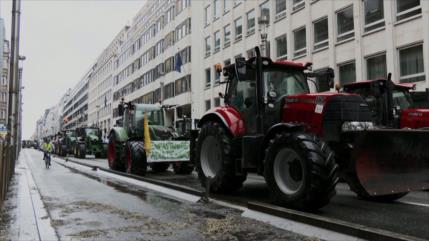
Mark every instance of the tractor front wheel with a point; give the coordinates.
(82, 151)
(300, 171)
(114, 154)
(214, 159)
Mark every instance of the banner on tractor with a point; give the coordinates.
(169, 151)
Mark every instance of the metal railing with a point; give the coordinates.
(6, 170)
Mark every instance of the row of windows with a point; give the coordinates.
(77, 95)
(411, 66)
(150, 76)
(156, 27)
(208, 103)
(181, 31)
(373, 18)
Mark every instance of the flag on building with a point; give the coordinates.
(105, 101)
(178, 61)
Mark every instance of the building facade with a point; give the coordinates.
(4, 81)
(100, 85)
(75, 111)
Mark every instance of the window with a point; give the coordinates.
(216, 41)
(281, 47)
(208, 105)
(300, 42)
(347, 73)
(216, 9)
(264, 9)
(374, 15)
(321, 34)
(238, 25)
(376, 67)
(217, 75)
(183, 85)
(251, 22)
(169, 91)
(411, 64)
(208, 46)
(407, 8)
(216, 101)
(280, 9)
(226, 35)
(206, 15)
(345, 24)
(226, 5)
(298, 4)
(208, 77)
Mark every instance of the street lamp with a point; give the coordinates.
(263, 22)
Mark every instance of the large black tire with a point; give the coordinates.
(63, 150)
(81, 151)
(360, 191)
(135, 158)
(300, 171)
(214, 157)
(159, 166)
(183, 168)
(114, 154)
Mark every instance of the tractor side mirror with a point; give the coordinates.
(121, 109)
(324, 79)
(240, 68)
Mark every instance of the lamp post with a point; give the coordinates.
(263, 22)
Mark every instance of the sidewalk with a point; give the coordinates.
(23, 216)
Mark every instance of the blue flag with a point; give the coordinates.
(178, 66)
(105, 101)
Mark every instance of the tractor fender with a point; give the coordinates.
(120, 133)
(279, 128)
(228, 116)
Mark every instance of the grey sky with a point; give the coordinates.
(61, 39)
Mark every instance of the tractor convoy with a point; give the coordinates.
(371, 134)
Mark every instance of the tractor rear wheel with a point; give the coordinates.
(183, 168)
(114, 154)
(159, 166)
(360, 191)
(135, 158)
(300, 171)
(214, 158)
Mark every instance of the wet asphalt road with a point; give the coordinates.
(88, 207)
(403, 216)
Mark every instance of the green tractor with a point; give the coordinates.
(140, 139)
(64, 142)
(89, 142)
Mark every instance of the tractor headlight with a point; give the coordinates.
(357, 126)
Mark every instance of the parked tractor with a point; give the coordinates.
(65, 142)
(392, 103)
(89, 142)
(142, 140)
(300, 142)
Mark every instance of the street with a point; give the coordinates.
(84, 206)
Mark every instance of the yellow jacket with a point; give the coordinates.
(47, 147)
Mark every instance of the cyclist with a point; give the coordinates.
(47, 148)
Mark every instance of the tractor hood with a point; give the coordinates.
(414, 118)
(325, 113)
(93, 137)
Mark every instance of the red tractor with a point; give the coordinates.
(392, 103)
(271, 124)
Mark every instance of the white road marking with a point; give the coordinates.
(415, 204)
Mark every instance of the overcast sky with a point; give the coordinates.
(61, 39)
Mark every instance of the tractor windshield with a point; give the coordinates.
(401, 99)
(285, 82)
(154, 117)
(89, 132)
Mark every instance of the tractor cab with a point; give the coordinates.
(391, 103)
